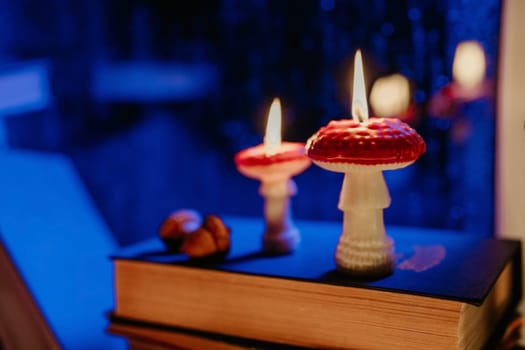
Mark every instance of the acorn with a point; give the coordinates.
(220, 232)
(199, 244)
(177, 226)
(210, 241)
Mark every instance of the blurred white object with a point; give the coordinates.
(510, 137)
(390, 95)
(510, 180)
(469, 64)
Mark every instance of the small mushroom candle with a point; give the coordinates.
(274, 163)
(362, 148)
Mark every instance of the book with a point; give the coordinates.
(448, 291)
(144, 336)
(147, 336)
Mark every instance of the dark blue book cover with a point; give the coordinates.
(433, 263)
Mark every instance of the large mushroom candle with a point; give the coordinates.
(274, 163)
(362, 148)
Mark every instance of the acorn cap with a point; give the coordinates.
(177, 225)
(180, 223)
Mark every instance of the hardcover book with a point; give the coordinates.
(142, 335)
(147, 336)
(448, 291)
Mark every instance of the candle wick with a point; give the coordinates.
(358, 112)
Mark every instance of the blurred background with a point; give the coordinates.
(152, 99)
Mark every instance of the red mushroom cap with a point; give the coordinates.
(257, 156)
(378, 141)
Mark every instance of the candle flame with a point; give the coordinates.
(272, 138)
(469, 64)
(359, 103)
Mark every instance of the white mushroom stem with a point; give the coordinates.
(364, 189)
(280, 235)
(364, 247)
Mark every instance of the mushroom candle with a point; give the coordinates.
(362, 148)
(274, 163)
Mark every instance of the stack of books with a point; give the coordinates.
(448, 291)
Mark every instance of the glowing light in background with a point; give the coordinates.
(359, 103)
(469, 64)
(390, 96)
(272, 137)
